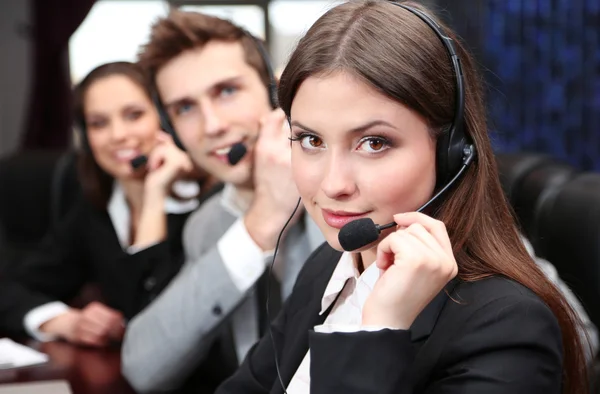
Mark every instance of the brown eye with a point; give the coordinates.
(376, 145)
(315, 142)
(373, 144)
(96, 124)
(134, 115)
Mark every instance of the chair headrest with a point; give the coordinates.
(527, 179)
(569, 237)
(513, 167)
(538, 187)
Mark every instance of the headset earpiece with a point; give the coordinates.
(165, 121)
(272, 86)
(452, 144)
(81, 131)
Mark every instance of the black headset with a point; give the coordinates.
(453, 146)
(165, 121)
(81, 131)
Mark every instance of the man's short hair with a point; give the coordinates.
(181, 31)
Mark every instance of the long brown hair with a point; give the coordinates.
(395, 52)
(96, 184)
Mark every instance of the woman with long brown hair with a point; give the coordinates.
(124, 235)
(387, 112)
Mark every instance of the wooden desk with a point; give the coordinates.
(89, 371)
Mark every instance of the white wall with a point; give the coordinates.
(112, 31)
(129, 25)
(14, 72)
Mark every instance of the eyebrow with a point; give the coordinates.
(355, 130)
(188, 97)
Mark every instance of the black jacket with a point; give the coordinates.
(493, 336)
(84, 248)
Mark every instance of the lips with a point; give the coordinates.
(125, 155)
(222, 152)
(338, 219)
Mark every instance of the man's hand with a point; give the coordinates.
(275, 194)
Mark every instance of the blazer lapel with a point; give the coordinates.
(427, 353)
(309, 296)
(424, 323)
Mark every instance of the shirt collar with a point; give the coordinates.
(346, 269)
(233, 201)
(120, 215)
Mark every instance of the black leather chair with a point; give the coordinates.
(513, 167)
(36, 189)
(528, 179)
(65, 187)
(569, 237)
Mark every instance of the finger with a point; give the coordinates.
(96, 322)
(418, 231)
(157, 157)
(163, 137)
(186, 163)
(387, 250)
(435, 227)
(435, 259)
(102, 315)
(404, 248)
(90, 338)
(98, 308)
(272, 124)
(92, 328)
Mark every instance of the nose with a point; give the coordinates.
(338, 180)
(118, 130)
(214, 123)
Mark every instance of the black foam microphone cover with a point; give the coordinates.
(139, 161)
(358, 233)
(237, 153)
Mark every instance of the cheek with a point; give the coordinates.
(190, 132)
(248, 112)
(148, 133)
(97, 141)
(399, 188)
(306, 173)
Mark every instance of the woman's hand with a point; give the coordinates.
(166, 162)
(95, 325)
(416, 263)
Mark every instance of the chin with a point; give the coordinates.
(122, 173)
(115, 170)
(239, 176)
(335, 244)
(331, 236)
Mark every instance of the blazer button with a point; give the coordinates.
(149, 283)
(217, 310)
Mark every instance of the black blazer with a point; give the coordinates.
(493, 336)
(84, 248)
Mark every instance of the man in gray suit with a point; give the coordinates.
(213, 83)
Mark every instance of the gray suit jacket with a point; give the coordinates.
(172, 336)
